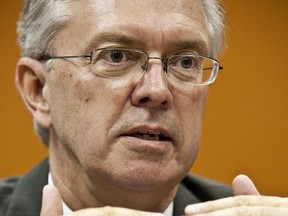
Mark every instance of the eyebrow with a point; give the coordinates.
(126, 40)
(112, 37)
(200, 46)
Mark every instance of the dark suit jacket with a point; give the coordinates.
(22, 196)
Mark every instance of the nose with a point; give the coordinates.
(153, 89)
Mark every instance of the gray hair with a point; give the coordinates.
(215, 18)
(39, 23)
(41, 20)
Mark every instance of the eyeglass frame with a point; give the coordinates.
(144, 67)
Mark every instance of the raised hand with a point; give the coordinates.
(247, 201)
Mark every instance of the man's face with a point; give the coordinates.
(139, 134)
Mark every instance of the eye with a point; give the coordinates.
(183, 62)
(187, 62)
(113, 62)
(115, 56)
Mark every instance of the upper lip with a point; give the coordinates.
(149, 129)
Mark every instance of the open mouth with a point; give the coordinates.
(150, 136)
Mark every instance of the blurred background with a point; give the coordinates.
(246, 120)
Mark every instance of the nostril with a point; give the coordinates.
(144, 100)
(164, 102)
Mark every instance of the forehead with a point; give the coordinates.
(140, 22)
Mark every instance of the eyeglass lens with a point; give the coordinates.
(184, 68)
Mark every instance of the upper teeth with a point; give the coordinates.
(149, 136)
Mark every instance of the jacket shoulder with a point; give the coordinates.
(206, 189)
(7, 186)
(196, 189)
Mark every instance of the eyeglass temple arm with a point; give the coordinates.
(220, 68)
(48, 57)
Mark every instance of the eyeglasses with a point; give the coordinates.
(117, 62)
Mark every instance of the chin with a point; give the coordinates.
(147, 179)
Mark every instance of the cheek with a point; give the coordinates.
(102, 98)
(103, 102)
(97, 103)
(190, 106)
(190, 109)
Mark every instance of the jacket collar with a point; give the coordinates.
(27, 196)
(183, 198)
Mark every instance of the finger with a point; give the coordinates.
(51, 202)
(243, 185)
(255, 211)
(234, 202)
(112, 211)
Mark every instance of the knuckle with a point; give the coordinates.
(210, 206)
(244, 211)
(241, 201)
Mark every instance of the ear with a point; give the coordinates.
(30, 81)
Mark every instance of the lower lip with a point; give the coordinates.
(146, 146)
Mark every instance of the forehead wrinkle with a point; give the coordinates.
(186, 37)
(200, 47)
(120, 38)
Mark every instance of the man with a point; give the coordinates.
(117, 91)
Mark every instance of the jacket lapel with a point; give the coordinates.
(27, 196)
(183, 198)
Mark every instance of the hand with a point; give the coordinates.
(52, 206)
(247, 201)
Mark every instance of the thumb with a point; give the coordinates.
(243, 185)
(51, 202)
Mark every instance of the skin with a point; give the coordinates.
(94, 159)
